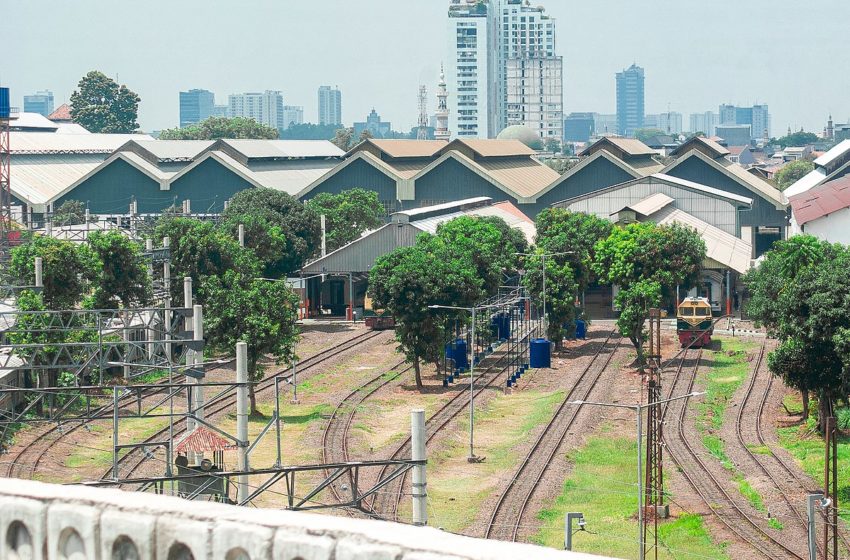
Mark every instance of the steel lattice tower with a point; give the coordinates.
(5, 173)
(654, 488)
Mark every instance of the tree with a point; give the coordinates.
(408, 280)
(796, 139)
(215, 128)
(68, 270)
(347, 214)
(644, 134)
(266, 240)
(567, 275)
(646, 262)
(298, 223)
(101, 105)
(69, 213)
(261, 313)
(342, 138)
(123, 277)
(792, 172)
(553, 145)
(365, 134)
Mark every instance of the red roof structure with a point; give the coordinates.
(203, 440)
(822, 200)
(61, 114)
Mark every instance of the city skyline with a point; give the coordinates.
(689, 79)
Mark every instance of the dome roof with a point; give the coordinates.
(523, 134)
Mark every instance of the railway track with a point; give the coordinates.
(385, 505)
(506, 519)
(226, 401)
(705, 484)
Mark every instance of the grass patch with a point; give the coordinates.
(603, 487)
(750, 493)
(793, 403)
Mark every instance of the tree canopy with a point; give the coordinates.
(647, 261)
(309, 131)
(644, 134)
(101, 105)
(122, 277)
(792, 172)
(68, 270)
(298, 223)
(347, 214)
(796, 139)
(69, 213)
(215, 128)
(343, 138)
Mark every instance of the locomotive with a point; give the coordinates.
(694, 323)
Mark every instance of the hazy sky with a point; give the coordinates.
(697, 54)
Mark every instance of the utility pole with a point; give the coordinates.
(814, 500)
(568, 527)
(417, 453)
(242, 417)
(830, 489)
(654, 488)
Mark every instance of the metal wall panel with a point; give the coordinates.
(358, 174)
(452, 181)
(110, 191)
(360, 255)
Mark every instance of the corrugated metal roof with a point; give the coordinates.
(203, 439)
(721, 247)
(292, 176)
(756, 183)
(34, 121)
(446, 207)
(512, 216)
(62, 113)
(703, 188)
(70, 128)
(173, 150)
(710, 143)
(821, 200)
(47, 143)
(646, 166)
(36, 179)
(808, 181)
(525, 177)
(405, 148)
(258, 149)
(493, 148)
(630, 146)
(833, 153)
(651, 204)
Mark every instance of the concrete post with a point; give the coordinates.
(187, 326)
(417, 450)
(813, 501)
(641, 547)
(324, 244)
(198, 358)
(241, 235)
(39, 272)
(48, 227)
(166, 281)
(187, 206)
(242, 417)
(471, 457)
(151, 331)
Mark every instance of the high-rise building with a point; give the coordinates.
(330, 106)
(630, 100)
(604, 124)
(471, 69)
(704, 122)
(757, 116)
(440, 120)
(579, 127)
(40, 102)
(196, 105)
(265, 108)
(669, 122)
(292, 115)
(220, 111)
(734, 134)
(373, 123)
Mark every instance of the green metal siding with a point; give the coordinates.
(452, 181)
(763, 212)
(110, 190)
(358, 174)
(597, 175)
(207, 186)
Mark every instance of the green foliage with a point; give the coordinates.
(123, 277)
(644, 134)
(261, 313)
(298, 224)
(647, 261)
(68, 269)
(101, 105)
(347, 214)
(792, 172)
(266, 240)
(561, 164)
(552, 145)
(69, 213)
(215, 128)
(343, 138)
(796, 139)
(309, 131)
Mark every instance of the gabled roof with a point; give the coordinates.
(833, 153)
(37, 179)
(283, 149)
(738, 174)
(401, 148)
(160, 151)
(365, 156)
(33, 121)
(701, 143)
(62, 113)
(738, 150)
(649, 205)
(45, 143)
(132, 158)
(491, 147)
(224, 160)
(629, 146)
(821, 200)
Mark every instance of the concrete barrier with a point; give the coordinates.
(55, 522)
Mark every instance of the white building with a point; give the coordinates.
(471, 70)
(704, 122)
(440, 120)
(265, 108)
(330, 105)
(670, 122)
(292, 115)
(535, 95)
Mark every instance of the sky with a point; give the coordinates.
(789, 54)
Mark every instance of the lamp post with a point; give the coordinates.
(543, 264)
(638, 408)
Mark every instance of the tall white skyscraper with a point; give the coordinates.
(330, 105)
(265, 108)
(704, 122)
(471, 70)
(292, 115)
(503, 69)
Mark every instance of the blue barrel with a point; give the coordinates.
(541, 353)
(5, 108)
(457, 351)
(581, 329)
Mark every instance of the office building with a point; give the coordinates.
(376, 127)
(330, 106)
(630, 100)
(604, 124)
(292, 115)
(220, 111)
(471, 70)
(40, 102)
(703, 122)
(670, 122)
(265, 108)
(579, 127)
(734, 134)
(535, 95)
(757, 117)
(196, 105)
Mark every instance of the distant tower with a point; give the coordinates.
(442, 129)
(422, 132)
(830, 128)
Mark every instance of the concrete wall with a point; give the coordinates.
(47, 521)
(834, 227)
